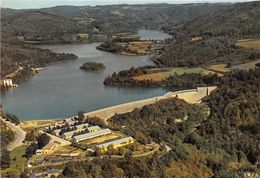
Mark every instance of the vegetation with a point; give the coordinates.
(127, 46)
(221, 144)
(249, 44)
(42, 140)
(69, 21)
(182, 81)
(7, 136)
(12, 118)
(22, 58)
(210, 50)
(92, 67)
(159, 76)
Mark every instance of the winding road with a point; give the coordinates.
(19, 135)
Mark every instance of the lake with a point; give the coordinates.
(61, 90)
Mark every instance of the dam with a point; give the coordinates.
(192, 96)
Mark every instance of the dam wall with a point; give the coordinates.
(191, 96)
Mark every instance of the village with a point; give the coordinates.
(74, 137)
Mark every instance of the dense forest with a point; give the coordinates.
(7, 135)
(210, 50)
(92, 67)
(224, 143)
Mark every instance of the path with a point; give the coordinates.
(19, 135)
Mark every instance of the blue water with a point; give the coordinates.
(61, 90)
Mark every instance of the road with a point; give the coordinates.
(19, 135)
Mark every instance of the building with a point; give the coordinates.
(38, 152)
(197, 38)
(86, 136)
(47, 173)
(83, 36)
(116, 143)
(82, 126)
(7, 82)
(93, 128)
(49, 148)
(68, 135)
(56, 132)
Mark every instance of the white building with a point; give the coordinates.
(93, 128)
(116, 143)
(86, 136)
(68, 135)
(56, 132)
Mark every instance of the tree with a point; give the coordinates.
(30, 136)
(5, 158)
(43, 140)
(23, 175)
(81, 116)
(30, 150)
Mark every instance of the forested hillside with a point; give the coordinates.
(224, 143)
(22, 58)
(6, 136)
(57, 24)
(211, 38)
(238, 20)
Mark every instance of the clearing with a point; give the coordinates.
(249, 44)
(159, 76)
(246, 66)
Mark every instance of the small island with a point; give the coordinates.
(92, 67)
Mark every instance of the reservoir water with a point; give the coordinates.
(61, 90)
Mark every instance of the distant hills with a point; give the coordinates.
(52, 24)
(237, 20)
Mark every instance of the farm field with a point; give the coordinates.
(159, 76)
(249, 44)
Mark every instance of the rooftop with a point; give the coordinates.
(94, 128)
(115, 142)
(92, 134)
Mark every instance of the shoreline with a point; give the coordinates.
(191, 96)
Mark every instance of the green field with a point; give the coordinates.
(158, 76)
(17, 162)
(249, 44)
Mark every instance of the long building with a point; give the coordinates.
(68, 135)
(115, 143)
(90, 135)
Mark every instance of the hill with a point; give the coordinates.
(58, 24)
(238, 20)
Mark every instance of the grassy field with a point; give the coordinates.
(249, 44)
(246, 66)
(28, 125)
(17, 162)
(159, 76)
(221, 68)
